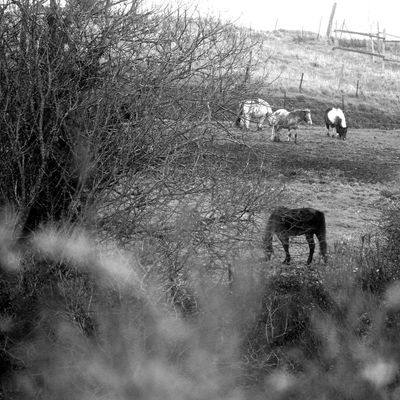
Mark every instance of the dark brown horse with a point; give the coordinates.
(286, 222)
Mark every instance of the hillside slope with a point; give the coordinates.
(330, 78)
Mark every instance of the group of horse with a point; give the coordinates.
(259, 110)
(286, 222)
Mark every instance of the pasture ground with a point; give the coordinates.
(351, 181)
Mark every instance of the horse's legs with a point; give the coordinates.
(311, 245)
(275, 134)
(277, 137)
(267, 240)
(328, 132)
(322, 246)
(246, 123)
(289, 135)
(295, 136)
(261, 122)
(284, 238)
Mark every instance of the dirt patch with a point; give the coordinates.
(367, 155)
(345, 179)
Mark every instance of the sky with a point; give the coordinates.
(309, 15)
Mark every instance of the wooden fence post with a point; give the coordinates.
(319, 28)
(284, 99)
(358, 84)
(301, 81)
(343, 102)
(383, 47)
(329, 29)
(335, 40)
(372, 46)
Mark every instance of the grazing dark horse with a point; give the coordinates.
(286, 222)
(334, 118)
(253, 109)
(288, 120)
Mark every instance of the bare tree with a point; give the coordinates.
(111, 116)
(119, 120)
(94, 90)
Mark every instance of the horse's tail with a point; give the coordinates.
(321, 235)
(240, 114)
(267, 240)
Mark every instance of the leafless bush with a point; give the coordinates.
(113, 119)
(92, 92)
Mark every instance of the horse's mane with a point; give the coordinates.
(299, 113)
(302, 110)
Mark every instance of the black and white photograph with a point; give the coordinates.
(199, 200)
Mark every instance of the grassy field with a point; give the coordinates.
(329, 76)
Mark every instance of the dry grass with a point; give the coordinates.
(329, 73)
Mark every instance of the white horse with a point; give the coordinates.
(288, 120)
(334, 118)
(257, 109)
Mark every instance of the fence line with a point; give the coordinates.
(371, 35)
(357, 83)
(381, 44)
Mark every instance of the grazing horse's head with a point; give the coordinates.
(270, 119)
(341, 128)
(307, 116)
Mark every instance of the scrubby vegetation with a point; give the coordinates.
(132, 218)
